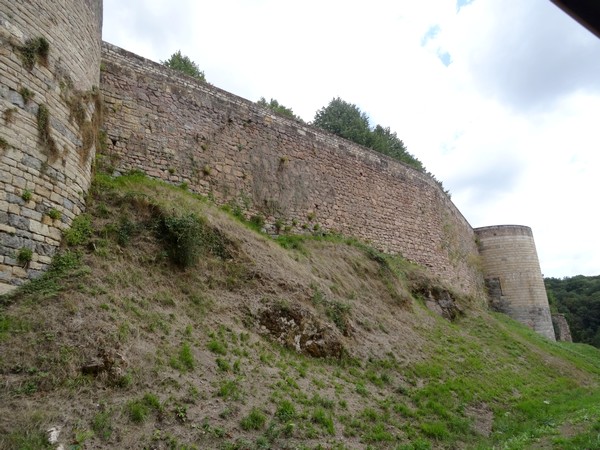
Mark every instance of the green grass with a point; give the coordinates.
(139, 410)
(230, 389)
(286, 411)
(102, 424)
(323, 418)
(255, 420)
(166, 321)
(184, 361)
(217, 347)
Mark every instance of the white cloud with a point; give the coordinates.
(508, 124)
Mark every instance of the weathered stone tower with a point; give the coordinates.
(513, 276)
(49, 112)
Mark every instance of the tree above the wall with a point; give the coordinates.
(277, 107)
(184, 64)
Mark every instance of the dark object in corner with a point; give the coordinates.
(586, 12)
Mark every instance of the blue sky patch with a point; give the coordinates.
(430, 34)
(445, 58)
(461, 3)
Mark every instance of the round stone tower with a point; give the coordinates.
(513, 276)
(50, 112)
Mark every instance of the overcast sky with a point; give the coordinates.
(500, 99)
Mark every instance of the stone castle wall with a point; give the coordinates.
(183, 131)
(46, 109)
(513, 276)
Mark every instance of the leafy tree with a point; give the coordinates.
(387, 142)
(348, 121)
(578, 298)
(184, 64)
(275, 106)
(344, 119)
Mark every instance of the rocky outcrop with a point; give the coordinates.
(297, 328)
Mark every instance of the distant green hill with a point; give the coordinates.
(168, 323)
(578, 298)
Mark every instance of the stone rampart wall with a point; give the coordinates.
(183, 131)
(47, 106)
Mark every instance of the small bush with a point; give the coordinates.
(255, 420)
(26, 195)
(24, 256)
(257, 222)
(64, 262)
(80, 231)
(182, 236)
(125, 231)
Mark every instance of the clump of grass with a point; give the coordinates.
(436, 430)
(184, 361)
(24, 256)
(49, 284)
(35, 50)
(26, 94)
(217, 347)
(223, 365)
(26, 195)
(44, 132)
(54, 214)
(138, 410)
(4, 144)
(229, 389)
(255, 420)
(9, 115)
(257, 222)
(324, 419)
(25, 439)
(102, 424)
(286, 411)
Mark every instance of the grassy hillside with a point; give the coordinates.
(168, 323)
